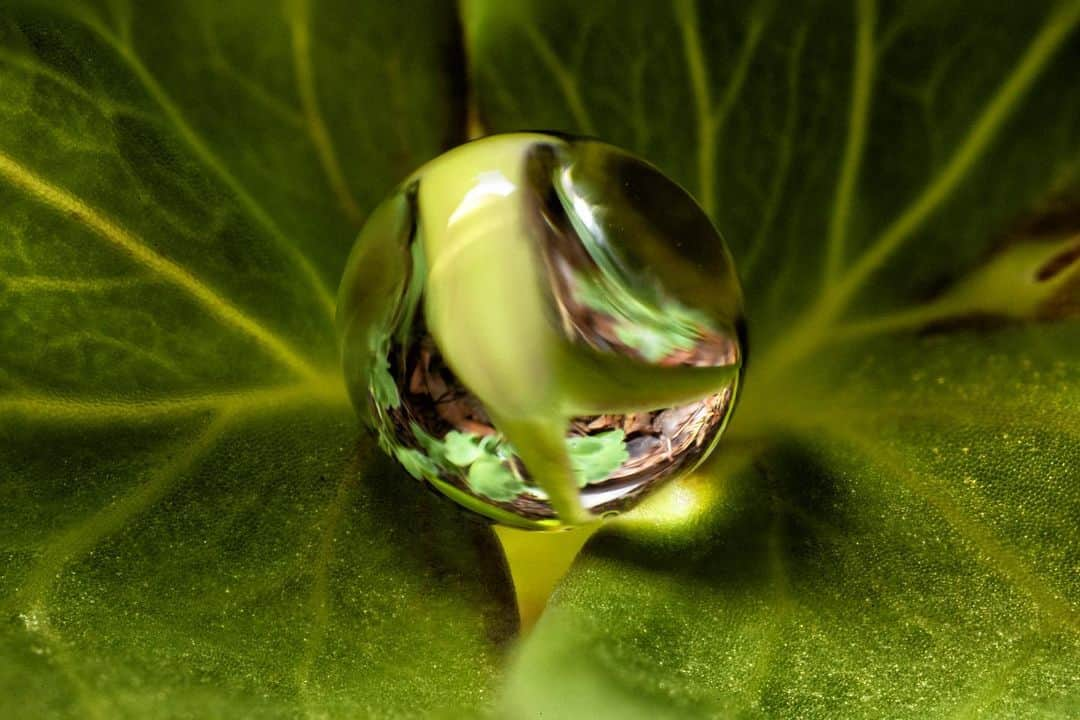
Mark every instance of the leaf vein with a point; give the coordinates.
(991, 553)
(567, 84)
(1055, 30)
(319, 601)
(861, 89)
(686, 17)
(68, 204)
(299, 28)
(787, 146)
(203, 151)
(77, 541)
(807, 333)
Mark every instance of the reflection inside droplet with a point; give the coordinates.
(621, 279)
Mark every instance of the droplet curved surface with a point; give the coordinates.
(543, 328)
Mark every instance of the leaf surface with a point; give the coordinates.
(191, 522)
(889, 527)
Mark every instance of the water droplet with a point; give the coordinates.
(526, 282)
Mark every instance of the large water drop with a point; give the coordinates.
(523, 282)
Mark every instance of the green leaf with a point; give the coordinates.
(189, 525)
(191, 522)
(594, 457)
(416, 463)
(908, 551)
(487, 473)
(489, 476)
(384, 387)
(889, 527)
(462, 449)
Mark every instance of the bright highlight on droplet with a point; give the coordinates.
(544, 329)
(677, 505)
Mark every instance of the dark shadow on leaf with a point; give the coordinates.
(770, 521)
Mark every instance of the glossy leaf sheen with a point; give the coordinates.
(891, 529)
